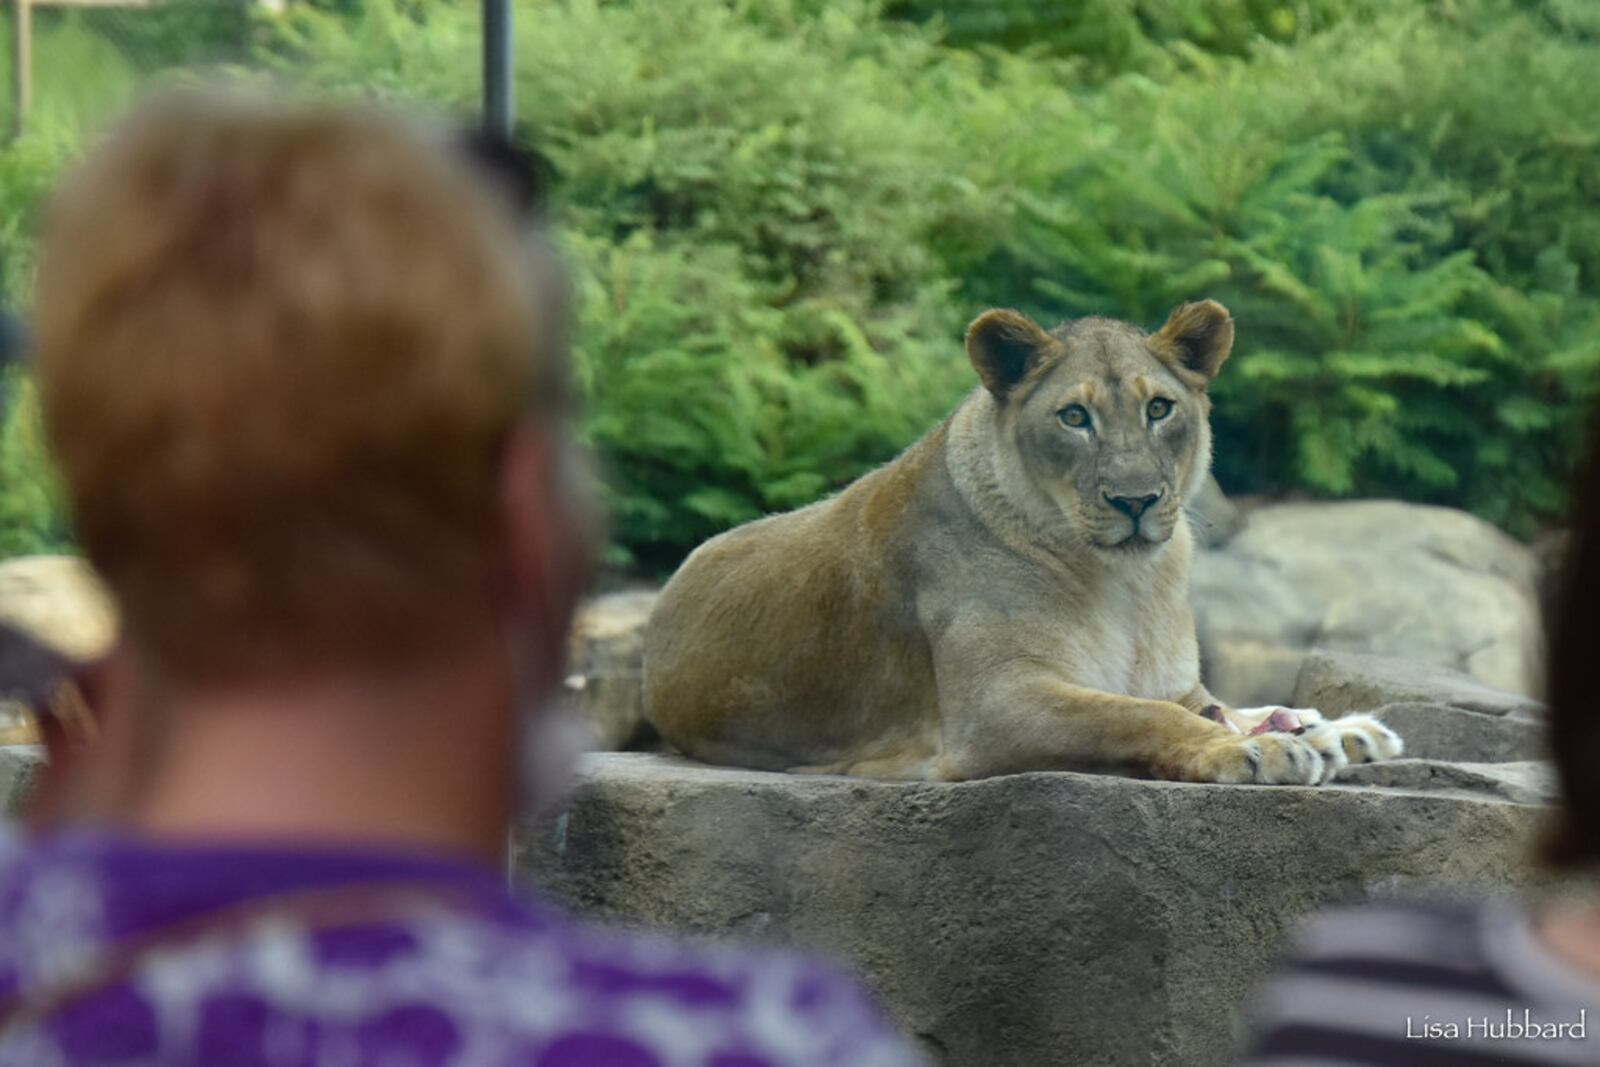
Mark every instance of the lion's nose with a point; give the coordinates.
(1133, 506)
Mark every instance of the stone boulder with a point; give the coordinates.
(1433, 585)
(1337, 682)
(59, 602)
(1438, 732)
(1442, 714)
(1215, 518)
(1031, 919)
(606, 662)
(1525, 781)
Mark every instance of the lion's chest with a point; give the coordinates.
(1136, 643)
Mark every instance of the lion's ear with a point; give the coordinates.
(1003, 345)
(1197, 338)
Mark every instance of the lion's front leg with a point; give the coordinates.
(1023, 717)
(1359, 738)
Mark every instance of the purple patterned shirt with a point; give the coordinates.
(479, 978)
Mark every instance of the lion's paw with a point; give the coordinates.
(1355, 738)
(1265, 759)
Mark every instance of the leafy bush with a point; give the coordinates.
(756, 209)
(780, 213)
(1394, 212)
(86, 65)
(79, 76)
(27, 168)
(1151, 37)
(29, 519)
(29, 511)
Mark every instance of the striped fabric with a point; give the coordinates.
(1425, 985)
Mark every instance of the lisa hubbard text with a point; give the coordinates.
(1510, 1028)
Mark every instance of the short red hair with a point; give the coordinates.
(279, 350)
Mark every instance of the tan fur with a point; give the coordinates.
(987, 602)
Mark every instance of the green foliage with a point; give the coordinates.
(175, 33)
(86, 64)
(27, 167)
(383, 49)
(29, 511)
(30, 520)
(1399, 215)
(756, 204)
(79, 76)
(1151, 37)
(780, 213)
(766, 315)
(701, 408)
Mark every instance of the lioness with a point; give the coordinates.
(1009, 594)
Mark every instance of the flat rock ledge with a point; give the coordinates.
(1337, 682)
(1056, 918)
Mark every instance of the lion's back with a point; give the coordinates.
(778, 644)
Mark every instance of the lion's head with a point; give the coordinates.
(1108, 423)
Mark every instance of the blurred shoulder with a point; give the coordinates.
(1400, 982)
(554, 990)
(1442, 932)
(779, 1006)
(480, 977)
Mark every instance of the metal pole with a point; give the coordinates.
(22, 63)
(497, 67)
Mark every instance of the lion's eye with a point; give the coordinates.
(1075, 416)
(1158, 409)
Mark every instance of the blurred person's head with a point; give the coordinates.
(1574, 682)
(302, 374)
(281, 351)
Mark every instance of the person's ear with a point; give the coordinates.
(1196, 340)
(101, 738)
(547, 557)
(1003, 346)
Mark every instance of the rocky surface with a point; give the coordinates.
(1337, 682)
(1433, 585)
(59, 601)
(1437, 732)
(1523, 782)
(606, 656)
(1443, 715)
(1035, 918)
(1215, 518)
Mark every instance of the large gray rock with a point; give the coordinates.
(606, 657)
(1337, 682)
(60, 601)
(1439, 732)
(1033, 919)
(1430, 584)
(1214, 517)
(1525, 782)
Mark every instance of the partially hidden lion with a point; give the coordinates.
(1009, 594)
